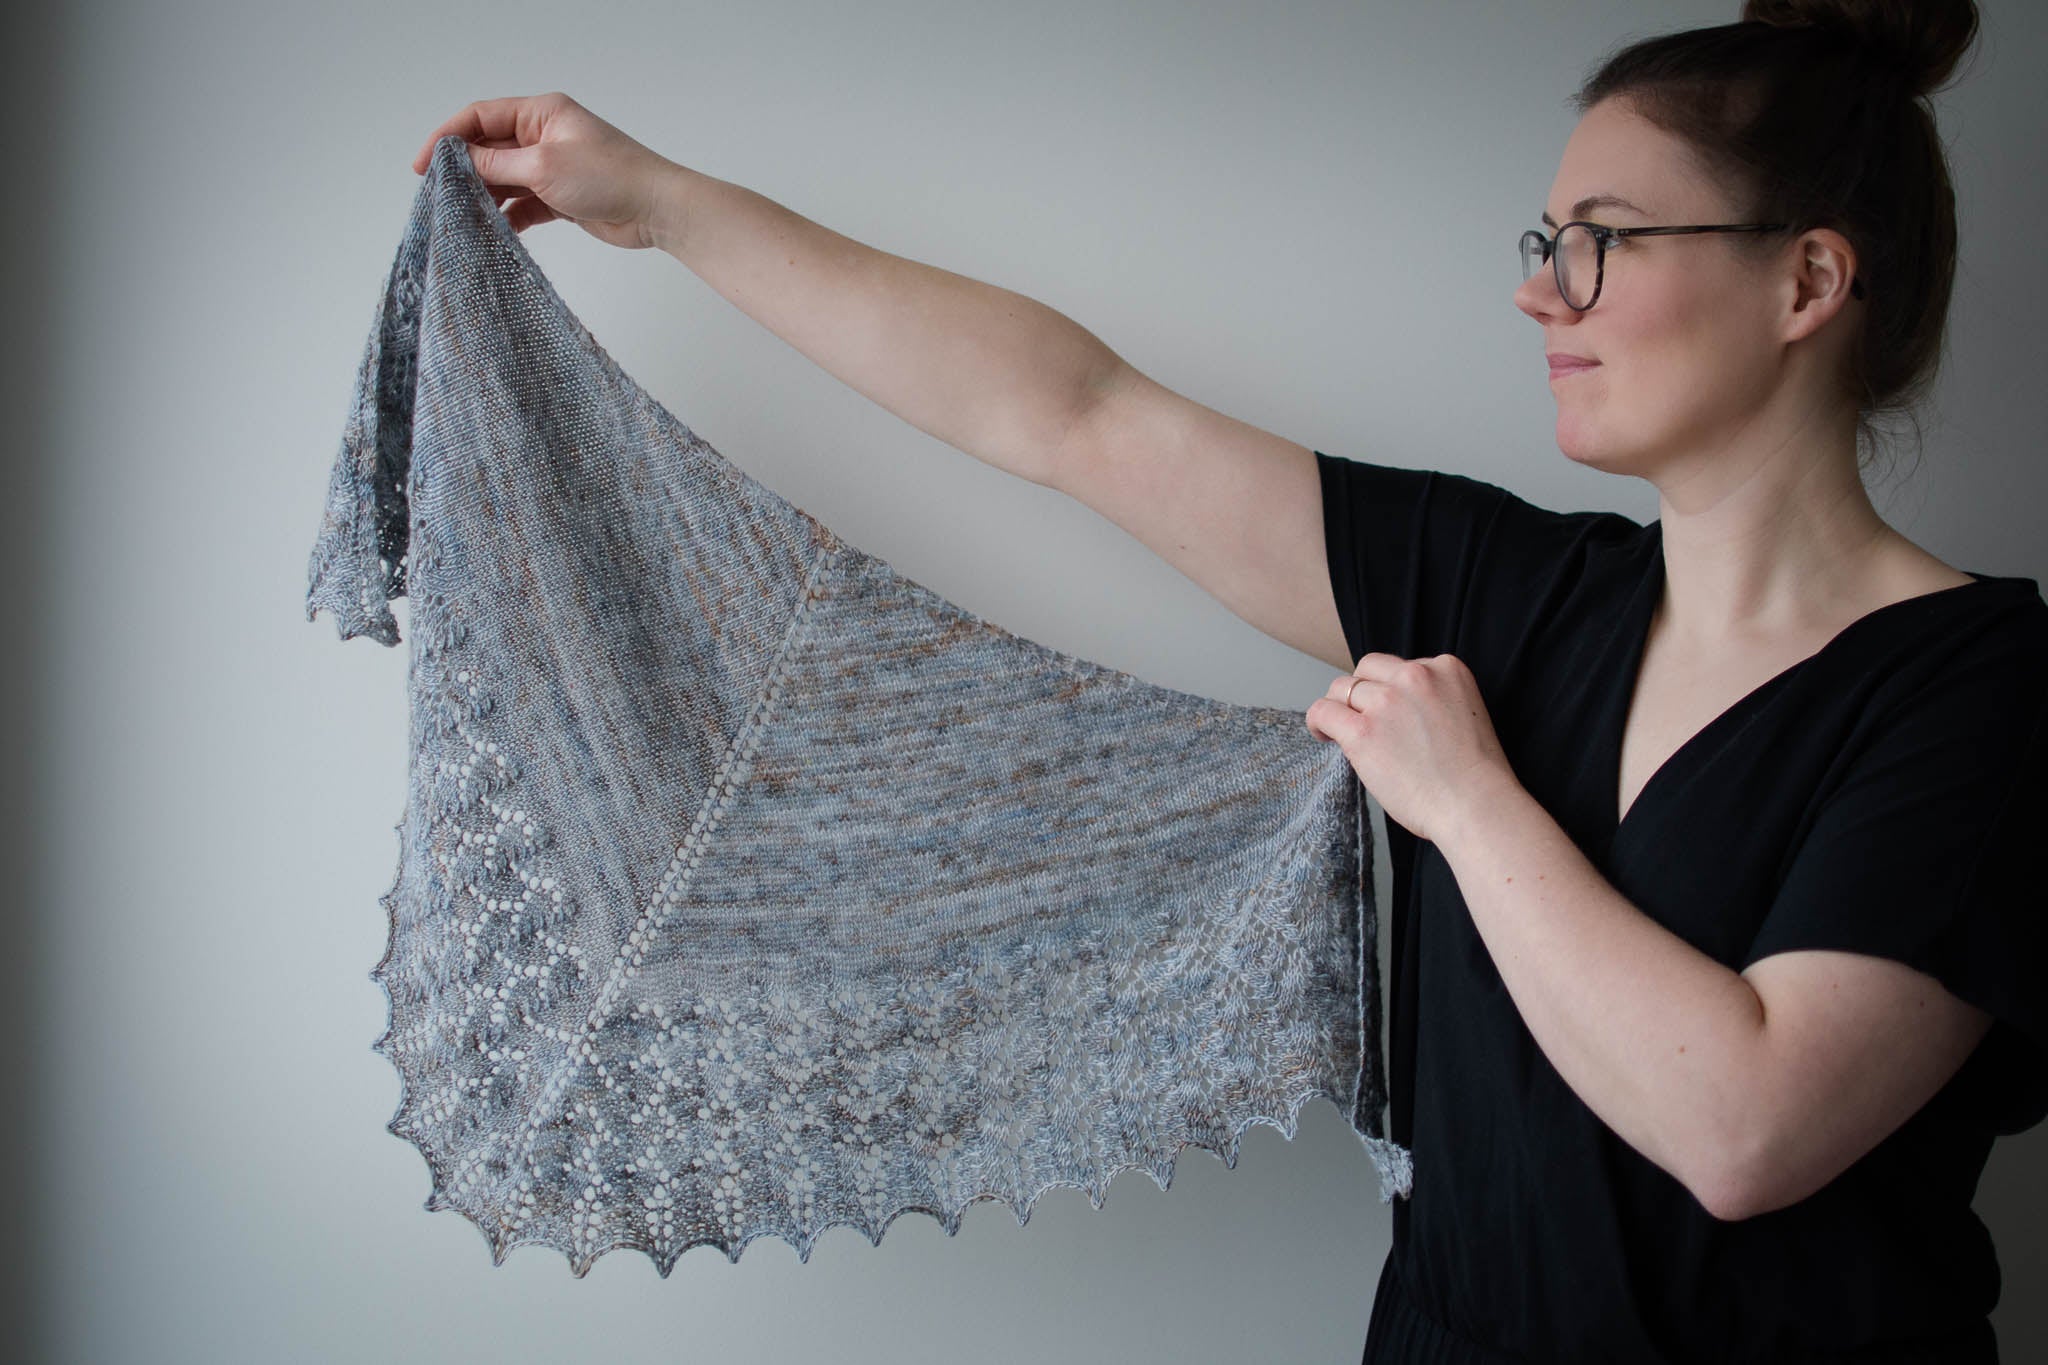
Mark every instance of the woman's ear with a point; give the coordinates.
(1823, 272)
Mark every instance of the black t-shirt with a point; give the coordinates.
(1886, 795)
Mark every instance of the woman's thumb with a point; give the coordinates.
(504, 170)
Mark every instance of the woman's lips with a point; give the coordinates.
(1564, 367)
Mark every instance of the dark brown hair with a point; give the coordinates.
(1815, 114)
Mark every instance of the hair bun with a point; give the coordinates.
(1921, 39)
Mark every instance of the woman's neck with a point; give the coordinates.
(1784, 558)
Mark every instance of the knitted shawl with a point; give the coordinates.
(746, 886)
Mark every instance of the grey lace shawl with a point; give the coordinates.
(746, 886)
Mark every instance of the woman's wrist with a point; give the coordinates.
(668, 207)
(1479, 808)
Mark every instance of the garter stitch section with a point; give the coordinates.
(748, 887)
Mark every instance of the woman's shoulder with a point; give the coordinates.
(1918, 572)
(1984, 616)
(1967, 659)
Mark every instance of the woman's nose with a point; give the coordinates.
(1538, 297)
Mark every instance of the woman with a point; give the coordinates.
(1712, 952)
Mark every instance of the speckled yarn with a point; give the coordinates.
(748, 887)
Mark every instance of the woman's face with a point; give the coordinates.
(1682, 330)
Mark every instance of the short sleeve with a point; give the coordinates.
(1927, 851)
(1426, 562)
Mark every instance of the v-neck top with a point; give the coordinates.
(1884, 795)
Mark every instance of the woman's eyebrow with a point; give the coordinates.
(1596, 201)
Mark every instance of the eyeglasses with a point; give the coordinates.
(1578, 253)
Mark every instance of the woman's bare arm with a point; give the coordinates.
(1025, 388)
(984, 369)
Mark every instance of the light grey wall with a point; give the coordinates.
(1301, 214)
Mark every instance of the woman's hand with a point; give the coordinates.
(1417, 733)
(547, 157)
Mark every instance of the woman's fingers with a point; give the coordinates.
(488, 123)
(526, 210)
(545, 158)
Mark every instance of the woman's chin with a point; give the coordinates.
(1580, 445)
(1573, 439)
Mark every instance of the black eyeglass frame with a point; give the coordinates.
(1604, 236)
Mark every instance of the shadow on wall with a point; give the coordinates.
(2012, 1200)
(28, 36)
